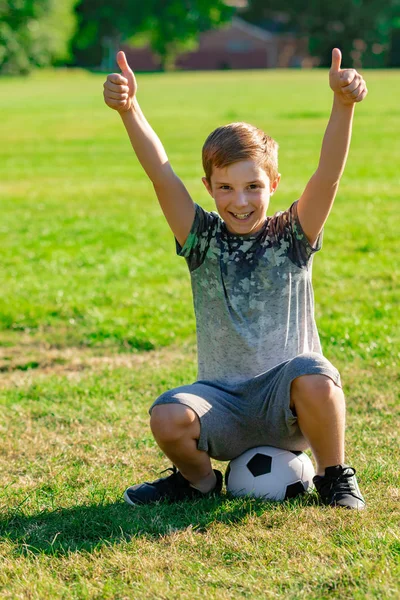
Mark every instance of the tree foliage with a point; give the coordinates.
(34, 33)
(38, 32)
(171, 26)
(166, 24)
(361, 28)
(100, 21)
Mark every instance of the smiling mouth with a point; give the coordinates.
(241, 217)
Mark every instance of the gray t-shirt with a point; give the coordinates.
(253, 296)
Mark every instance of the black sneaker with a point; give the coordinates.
(171, 489)
(339, 487)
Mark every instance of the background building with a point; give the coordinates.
(236, 45)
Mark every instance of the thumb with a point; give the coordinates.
(123, 64)
(127, 72)
(336, 60)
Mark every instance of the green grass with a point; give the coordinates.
(96, 320)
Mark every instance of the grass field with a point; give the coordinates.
(96, 320)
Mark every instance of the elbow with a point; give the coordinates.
(328, 181)
(162, 175)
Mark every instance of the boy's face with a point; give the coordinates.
(241, 192)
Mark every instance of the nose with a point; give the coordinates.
(241, 200)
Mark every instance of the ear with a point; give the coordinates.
(207, 186)
(275, 184)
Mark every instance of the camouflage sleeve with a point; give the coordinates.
(290, 239)
(198, 240)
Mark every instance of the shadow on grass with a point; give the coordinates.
(89, 527)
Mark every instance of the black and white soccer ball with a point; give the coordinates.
(269, 473)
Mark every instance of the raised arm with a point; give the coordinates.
(175, 201)
(317, 199)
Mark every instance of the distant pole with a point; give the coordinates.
(110, 46)
(272, 54)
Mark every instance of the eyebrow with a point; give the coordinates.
(247, 183)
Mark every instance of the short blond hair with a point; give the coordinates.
(240, 141)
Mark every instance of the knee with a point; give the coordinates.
(309, 361)
(309, 389)
(170, 422)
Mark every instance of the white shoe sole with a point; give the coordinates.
(128, 500)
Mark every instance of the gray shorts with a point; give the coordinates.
(253, 413)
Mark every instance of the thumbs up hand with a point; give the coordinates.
(120, 89)
(347, 84)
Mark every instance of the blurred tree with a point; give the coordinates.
(360, 28)
(174, 25)
(56, 29)
(101, 26)
(167, 25)
(34, 33)
(17, 21)
(394, 51)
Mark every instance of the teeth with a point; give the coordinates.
(241, 216)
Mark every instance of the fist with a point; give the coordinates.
(120, 89)
(347, 84)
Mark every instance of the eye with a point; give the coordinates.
(254, 186)
(224, 187)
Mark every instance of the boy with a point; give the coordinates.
(262, 378)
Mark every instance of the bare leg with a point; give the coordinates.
(176, 429)
(320, 408)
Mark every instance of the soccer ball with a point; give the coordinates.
(269, 473)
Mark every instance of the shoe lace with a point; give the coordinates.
(165, 483)
(173, 469)
(340, 484)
